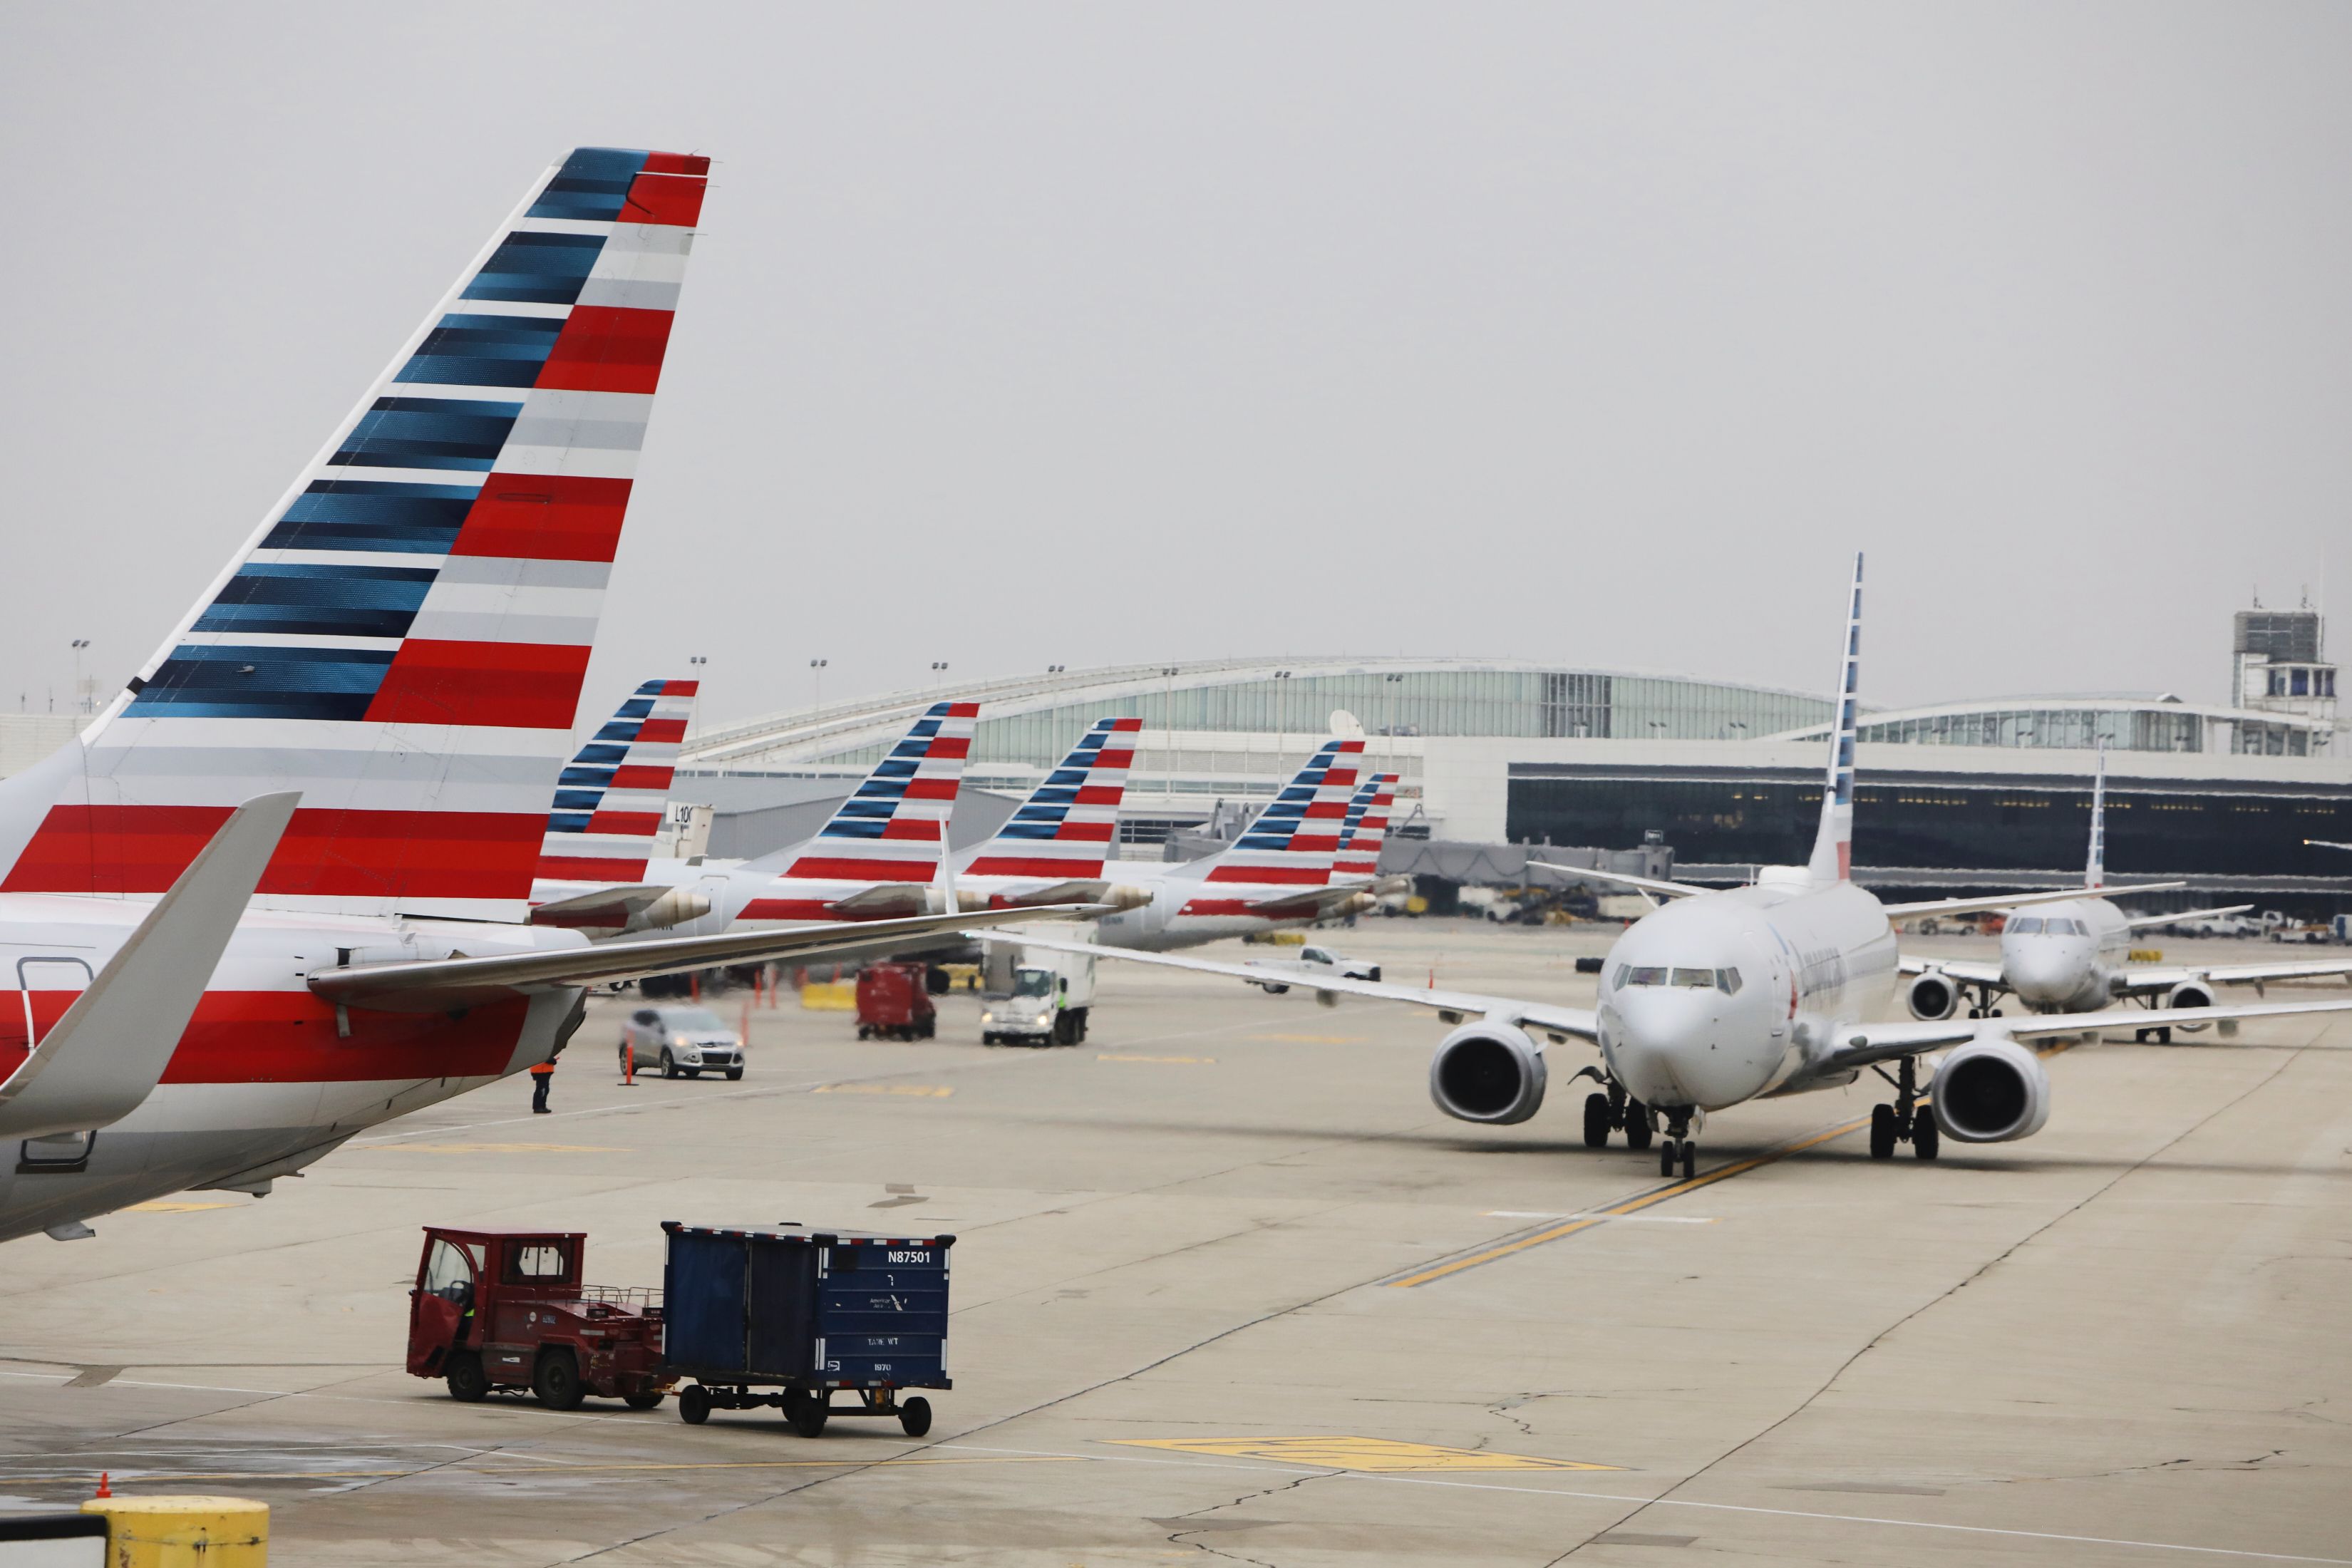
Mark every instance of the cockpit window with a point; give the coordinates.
(2029, 926)
(1640, 975)
(1727, 979)
(2066, 928)
(1695, 978)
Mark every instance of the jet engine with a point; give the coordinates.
(2189, 994)
(1990, 1090)
(1932, 995)
(1488, 1072)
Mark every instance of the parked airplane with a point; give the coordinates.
(2073, 955)
(215, 985)
(1719, 997)
(882, 852)
(1368, 830)
(1278, 874)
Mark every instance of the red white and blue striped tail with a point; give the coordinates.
(610, 799)
(1368, 828)
(403, 639)
(1064, 829)
(894, 828)
(1296, 838)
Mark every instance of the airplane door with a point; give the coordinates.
(47, 986)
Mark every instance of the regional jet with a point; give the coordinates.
(1718, 997)
(276, 892)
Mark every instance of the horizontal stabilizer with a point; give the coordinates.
(1646, 884)
(433, 985)
(1317, 903)
(2146, 920)
(100, 1062)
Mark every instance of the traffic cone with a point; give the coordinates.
(103, 1489)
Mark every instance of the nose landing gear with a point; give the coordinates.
(1678, 1150)
(1604, 1112)
(1906, 1121)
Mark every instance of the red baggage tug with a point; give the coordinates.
(506, 1310)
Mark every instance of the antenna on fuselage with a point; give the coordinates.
(2095, 872)
(1833, 858)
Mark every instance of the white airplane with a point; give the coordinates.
(2073, 955)
(1720, 997)
(276, 892)
(1279, 873)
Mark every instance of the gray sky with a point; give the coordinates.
(1092, 333)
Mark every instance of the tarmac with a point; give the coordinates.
(1228, 1286)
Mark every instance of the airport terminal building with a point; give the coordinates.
(1955, 796)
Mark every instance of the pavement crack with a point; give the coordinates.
(1176, 1538)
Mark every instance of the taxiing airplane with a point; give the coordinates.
(1719, 997)
(2073, 955)
(274, 893)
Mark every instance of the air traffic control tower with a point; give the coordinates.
(2277, 665)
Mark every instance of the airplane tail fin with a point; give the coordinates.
(2094, 871)
(609, 800)
(1296, 838)
(403, 639)
(1064, 829)
(1833, 858)
(1368, 828)
(894, 826)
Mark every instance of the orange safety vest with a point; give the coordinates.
(542, 1070)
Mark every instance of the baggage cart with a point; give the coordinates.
(790, 1316)
(893, 1003)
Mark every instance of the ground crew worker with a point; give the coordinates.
(542, 1076)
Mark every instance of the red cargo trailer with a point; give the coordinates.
(894, 1004)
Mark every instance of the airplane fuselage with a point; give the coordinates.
(267, 1075)
(2065, 957)
(1717, 999)
(1188, 910)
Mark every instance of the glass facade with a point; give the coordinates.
(1446, 702)
(1940, 826)
(2155, 729)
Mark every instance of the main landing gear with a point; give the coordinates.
(2163, 1036)
(1612, 1111)
(1908, 1119)
(1678, 1150)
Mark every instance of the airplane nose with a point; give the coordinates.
(2038, 972)
(1673, 1047)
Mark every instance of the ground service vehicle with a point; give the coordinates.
(1314, 964)
(804, 1313)
(679, 1038)
(506, 1310)
(893, 1003)
(1038, 997)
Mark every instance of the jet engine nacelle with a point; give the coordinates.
(1932, 995)
(1488, 1072)
(2189, 994)
(1990, 1090)
(674, 908)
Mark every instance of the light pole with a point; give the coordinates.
(816, 676)
(1281, 722)
(81, 702)
(939, 668)
(1172, 760)
(1392, 680)
(694, 721)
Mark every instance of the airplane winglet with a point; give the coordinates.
(100, 1062)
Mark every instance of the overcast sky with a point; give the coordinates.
(1082, 334)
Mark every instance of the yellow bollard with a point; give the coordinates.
(183, 1531)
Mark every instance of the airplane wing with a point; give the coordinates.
(1975, 972)
(1868, 1042)
(607, 906)
(100, 1062)
(2138, 981)
(883, 899)
(1451, 1005)
(433, 985)
(1074, 890)
(2186, 915)
(1642, 884)
(2013, 901)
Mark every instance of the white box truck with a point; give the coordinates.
(1033, 997)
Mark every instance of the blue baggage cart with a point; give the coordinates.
(788, 1315)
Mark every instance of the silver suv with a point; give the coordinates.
(690, 1041)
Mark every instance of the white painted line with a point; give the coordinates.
(1632, 1218)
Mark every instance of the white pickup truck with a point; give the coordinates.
(1311, 963)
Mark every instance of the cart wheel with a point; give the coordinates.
(668, 1064)
(807, 1412)
(646, 1401)
(467, 1383)
(914, 1416)
(864, 1033)
(557, 1381)
(694, 1405)
(733, 1074)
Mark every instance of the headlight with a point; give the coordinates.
(987, 1017)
